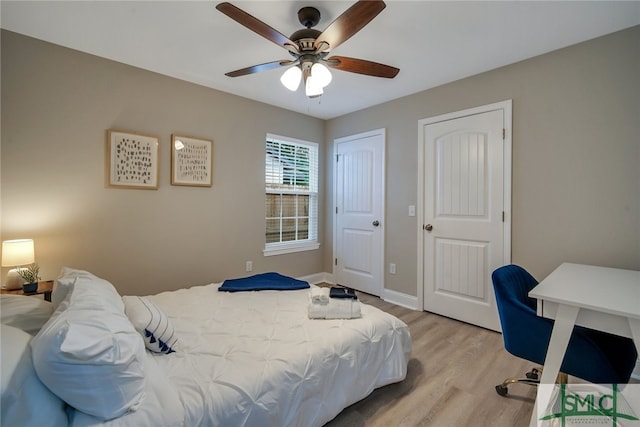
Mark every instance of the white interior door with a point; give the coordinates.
(359, 203)
(464, 214)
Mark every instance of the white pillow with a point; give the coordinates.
(161, 406)
(152, 323)
(25, 400)
(64, 283)
(89, 354)
(23, 312)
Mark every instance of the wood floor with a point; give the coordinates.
(450, 380)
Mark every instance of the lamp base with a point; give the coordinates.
(14, 281)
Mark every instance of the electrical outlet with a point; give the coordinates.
(249, 266)
(392, 268)
(412, 210)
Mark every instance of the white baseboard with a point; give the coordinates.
(316, 278)
(388, 295)
(398, 298)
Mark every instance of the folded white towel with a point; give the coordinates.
(335, 309)
(320, 295)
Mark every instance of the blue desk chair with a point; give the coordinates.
(594, 356)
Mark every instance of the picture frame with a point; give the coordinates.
(191, 161)
(132, 160)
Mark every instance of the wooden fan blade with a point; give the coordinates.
(257, 68)
(254, 24)
(360, 66)
(349, 23)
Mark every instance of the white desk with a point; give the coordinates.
(606, 299)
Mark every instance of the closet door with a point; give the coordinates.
(359, 203)
(463, 233)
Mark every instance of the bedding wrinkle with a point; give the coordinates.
(256, 359)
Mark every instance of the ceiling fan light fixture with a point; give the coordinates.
(312, 87)
(309, 46)
(321, 74)
(291, 78)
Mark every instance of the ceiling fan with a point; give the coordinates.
(309, 47)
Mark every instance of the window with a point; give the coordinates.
(291, 195)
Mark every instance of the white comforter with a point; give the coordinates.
(256, 359)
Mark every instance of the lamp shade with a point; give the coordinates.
(17, 252)
(321, 74)
(291, 78)
(312, 88)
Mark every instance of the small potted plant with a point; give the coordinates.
(30, 276)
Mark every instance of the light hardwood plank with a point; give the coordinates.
(451, 376)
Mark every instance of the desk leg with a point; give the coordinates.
(562, 329)
(634, 324)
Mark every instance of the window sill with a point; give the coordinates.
(289, 248)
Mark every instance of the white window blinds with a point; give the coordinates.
(291, 194)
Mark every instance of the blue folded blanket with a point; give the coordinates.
(263, 282)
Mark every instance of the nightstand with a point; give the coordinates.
(44, 288)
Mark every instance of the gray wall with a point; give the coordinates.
(56, 107)
(576, 156)
(576, 151)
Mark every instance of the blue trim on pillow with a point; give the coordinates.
(157, 319)
(263, 282)
(162, 346)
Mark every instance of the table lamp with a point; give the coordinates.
(16, 253)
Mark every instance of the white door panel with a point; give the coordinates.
(463, 203)
(359, 192)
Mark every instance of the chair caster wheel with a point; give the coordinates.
(502, 390)
(534, 374)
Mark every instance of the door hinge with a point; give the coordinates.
(337, 157)
(335, 261)
(336, 209)
(504, 133)
(502, 216)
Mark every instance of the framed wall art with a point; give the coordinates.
(132, 160)
(191, 161)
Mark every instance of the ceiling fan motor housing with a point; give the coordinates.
(309, 16)
(301, 37)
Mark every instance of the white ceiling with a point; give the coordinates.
(431, 42)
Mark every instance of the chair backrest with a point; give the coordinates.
(512, 284)
(524, 333)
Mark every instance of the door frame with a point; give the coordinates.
(383, 133)
(506, 107)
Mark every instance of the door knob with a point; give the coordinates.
(376, 223)
(428, 227)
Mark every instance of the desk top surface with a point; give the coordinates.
(610, 290)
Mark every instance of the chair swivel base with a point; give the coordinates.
(532, 378)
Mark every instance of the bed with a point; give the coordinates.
(226, 359)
